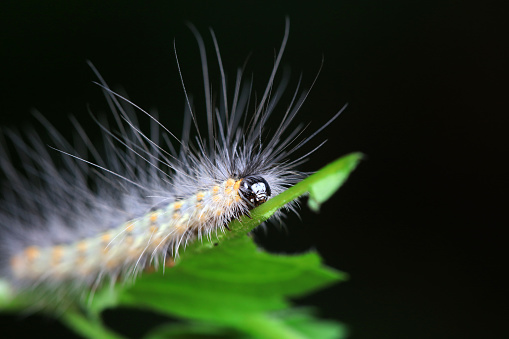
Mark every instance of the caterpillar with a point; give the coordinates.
(140, 199)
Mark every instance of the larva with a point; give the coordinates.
(138, 201)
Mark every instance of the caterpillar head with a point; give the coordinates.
(255, 190)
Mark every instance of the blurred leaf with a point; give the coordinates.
(300, 321)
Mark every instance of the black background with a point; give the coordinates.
(418, 226)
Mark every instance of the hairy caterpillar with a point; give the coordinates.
(139, 200)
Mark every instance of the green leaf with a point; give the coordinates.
(329, 179)
(228, 283)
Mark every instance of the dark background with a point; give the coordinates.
(418, 226)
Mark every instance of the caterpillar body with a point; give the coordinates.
(161, 228)
(139, 200)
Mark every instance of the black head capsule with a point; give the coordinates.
(255, 190)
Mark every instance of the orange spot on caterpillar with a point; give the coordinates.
(215, 189)
(129, 227)
(32, 253)
(82, 246)
(81, 259)
(176, 216)
(229, 186)
(105, 237)
(236, 188)
(153, 217)
(153, 229)
(177, 205)
(105, 240)
(57, 254)
(150, 269)
(199, 205)
(169, 263)
(232, 186)
(200, 196)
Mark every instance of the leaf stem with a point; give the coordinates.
(88, 327)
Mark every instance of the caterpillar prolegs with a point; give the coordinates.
(139, 199)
